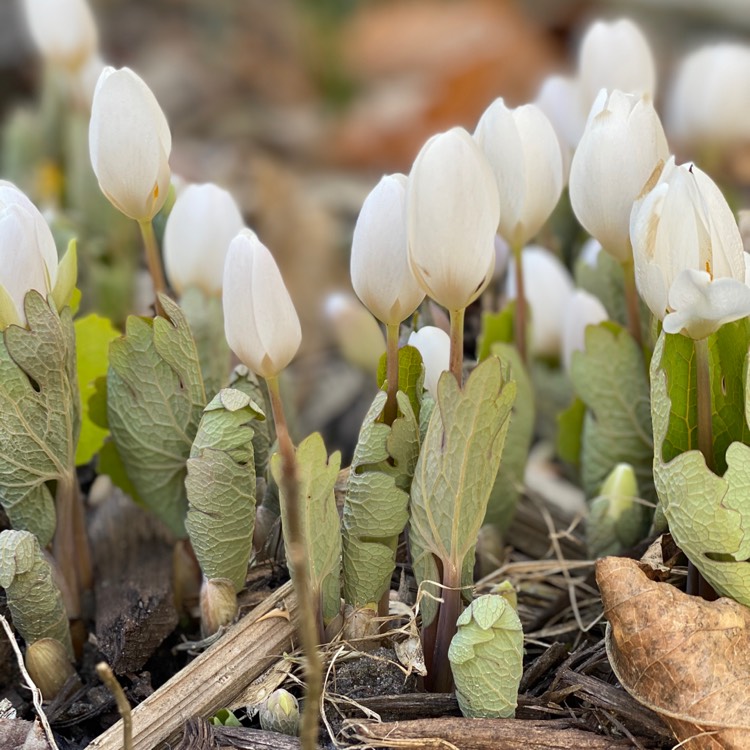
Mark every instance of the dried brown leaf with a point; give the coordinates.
(685, 658)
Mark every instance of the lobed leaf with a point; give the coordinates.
(410, 375)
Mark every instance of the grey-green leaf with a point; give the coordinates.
(155, 398)
(486, 656)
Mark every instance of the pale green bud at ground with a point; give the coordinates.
(453, 211)
(49, 666)
(218, 602)
(434, 344)
(559, 97)
(709, 100)
(280, 713)
(28, 256)
(622, 145)
(379, 266)
(356, 332)
(689, 259)
(523, 150)
(548, 292)
(486, 657)
(202, 224)
(260, 322)
(129, 143)
(508, 592)
(64, 31)
(615, 55)
(583, 310)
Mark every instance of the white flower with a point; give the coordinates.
(356, 331)
(615, 55)
(622, 146)
(202, 223)
(548, 289)
(130, 142)
(523, 150)
(583, 309)
(380, 271)
(434, 344)
(28, 256)
(260, 322)
(63, 30)
(452, 217)
(686, 241)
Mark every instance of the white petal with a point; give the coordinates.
(434, 345)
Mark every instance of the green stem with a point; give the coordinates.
(519, 319)
(296, 549)
(457, 344)
(390, 412)
(153, 261)
(632, 301)
(703, 392)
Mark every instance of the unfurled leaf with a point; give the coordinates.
(93, 336)
(320, 519)
(410, 375)
(570, 430)
(610, 378)
(497, 328)
(40, 415)
(220, 487)
(506, 490)
(683, 657)
(455, 473)
(34, 600)
(206, 318)
(486, 656)
(155, 398)
(606, 281)
(225, 718)
(376, 507)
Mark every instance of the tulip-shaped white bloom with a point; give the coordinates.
(548, 290)
(380, 271)
(453, 211)
(621, 147)
(434, 344)
(356, 331)
(523, 150)
(28, 257)
(130, 142)
(260, 322)
(202, 223)
(63, 30)
(709, 102)
(615, 55)
(583, 310)
(689, 260)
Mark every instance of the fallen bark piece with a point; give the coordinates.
(17, 734)
(254, 739)
(683, 657)
(214, 679)
(481, 734)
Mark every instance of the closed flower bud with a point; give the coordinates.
(63, 30)
(453, 211)
(28, 256)
(689, 259)
(621, 147)
(357, 333)
(434, 345)
(615, 55)
(548, 293)
(202, 223)
(583, 310)
(49, 666)
(260, 322)
(379, 264)
(559, 98)
(523, 150)
(129, 142)
(280, 713)
(218, 602)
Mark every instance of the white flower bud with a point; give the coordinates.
(356, 331)
(523, 150)
(260, 322)
(379, 264)
(560, 99)
(130, 142)
(583, 310)
(202, 223)
(434, 344)
(452, 217)
(621, 147)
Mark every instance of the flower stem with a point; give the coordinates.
(153, 261)
(519, 319)
(457, 344)
(703, 392)
(296, 549)
(441, 679)
(390, 411)
(631, 300)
